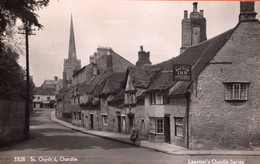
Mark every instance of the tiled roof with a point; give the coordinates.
(52, 81)
(113, 83)
(119, 97)
(110, 84)
(89, 86)
(197, 56)
(142, 78)
(44, 91)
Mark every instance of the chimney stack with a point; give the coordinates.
(141, 48)
(110, 62)
(193, 28)
(94, 69)
(91, 59)
(143, 58)
(247, 11)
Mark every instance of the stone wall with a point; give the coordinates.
(12, 121)
(219, 124)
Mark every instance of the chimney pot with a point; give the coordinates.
(195, 4)
(141, 48)
(201, 13)
(185, 14)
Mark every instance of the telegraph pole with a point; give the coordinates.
(26, 30)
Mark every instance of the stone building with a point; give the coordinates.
(86, 105)
(224, 102)
(103, 59)
(110, 116)
(218, 108)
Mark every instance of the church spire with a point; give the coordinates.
(72, 45)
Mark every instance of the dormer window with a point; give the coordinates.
(130, 98)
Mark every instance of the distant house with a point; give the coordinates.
(44, 97)
(56, 84)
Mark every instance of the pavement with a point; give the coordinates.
(160, 147)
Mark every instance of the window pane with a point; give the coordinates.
(236, 91)
(229, 92)
(236, 88)
(179, 126)
(152, 125)
(243, 92)
(159, 125)
(179, 131)
(159, 98)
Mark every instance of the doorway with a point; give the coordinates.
(119, 123)
(167, 128)
(131, 118)
(91, 121)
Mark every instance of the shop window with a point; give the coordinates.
(178, 126)
(156, 97)
(236, 91)
(156, 125)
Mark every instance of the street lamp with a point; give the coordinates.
(26, 30)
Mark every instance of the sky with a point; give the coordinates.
(123, 25)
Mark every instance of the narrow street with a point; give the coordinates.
(53, 143)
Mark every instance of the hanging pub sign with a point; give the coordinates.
(181, 72)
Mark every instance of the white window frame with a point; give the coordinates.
(156, 98)
(236, 91)
(178, 124)
(154, 126)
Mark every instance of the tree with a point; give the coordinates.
(12, 77)
(11, 10)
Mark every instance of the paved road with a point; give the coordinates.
(53, 143)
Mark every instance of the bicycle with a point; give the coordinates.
(135, 139)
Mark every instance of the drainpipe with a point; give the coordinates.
(187, 95)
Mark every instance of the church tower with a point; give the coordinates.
(72, 64)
